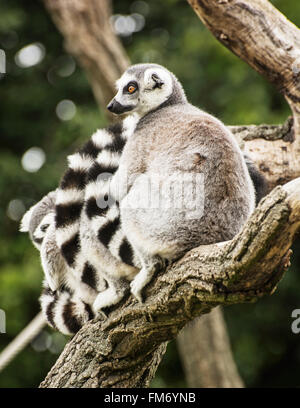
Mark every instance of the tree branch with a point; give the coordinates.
(270, 147)
(267, 132)
(119, 351)
(261, 36)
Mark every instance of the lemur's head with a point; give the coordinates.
(144, 87)
(38, 218)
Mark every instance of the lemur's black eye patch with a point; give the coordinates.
(131, 87)
(44, 227)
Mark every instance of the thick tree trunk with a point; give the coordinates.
(124, 349)
(206, 353)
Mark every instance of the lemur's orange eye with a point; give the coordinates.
(131, 89)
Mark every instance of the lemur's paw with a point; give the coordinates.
(100, 303)
(136, 293)
(105, 299)
(137, 285)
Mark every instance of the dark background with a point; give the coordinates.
(266, 351)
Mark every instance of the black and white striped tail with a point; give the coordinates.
(64, 311)
(99, 155)
(79, 189)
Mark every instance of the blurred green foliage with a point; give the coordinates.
(266, 351)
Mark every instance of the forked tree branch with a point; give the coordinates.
(260, 35)
(120, 351)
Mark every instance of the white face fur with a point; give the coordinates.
(41, 229)
(142, 95)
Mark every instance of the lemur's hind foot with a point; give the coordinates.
(151, 265)
(111, 296)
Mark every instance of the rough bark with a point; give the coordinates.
(259, 34)
(271, 148)
(121, 350)
(203, 341)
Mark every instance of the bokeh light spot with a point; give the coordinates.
(33, 159)
(30, 55)
(65, 110)
(126, 25)
(41, 342)
(15, 209)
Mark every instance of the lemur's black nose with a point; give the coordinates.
(110, 106)
(115, 107)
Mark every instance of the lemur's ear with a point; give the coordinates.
(158, 82)
(25, 222)
(155, 78)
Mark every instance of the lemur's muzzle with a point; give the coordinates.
(115, 107)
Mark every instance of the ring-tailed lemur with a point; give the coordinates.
(198, 142)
